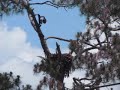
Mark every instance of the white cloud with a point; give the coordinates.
(77, 74)
(17, 55)
(24, 69)
(13, 43)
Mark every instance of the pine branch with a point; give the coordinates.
(103, 86)
(79, 83)
(94, 87)
(85, 79)
(114, 29)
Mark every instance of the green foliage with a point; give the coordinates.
(102, 9)
(8, 7)
(101, 66)
(27, 87)
(8, 81)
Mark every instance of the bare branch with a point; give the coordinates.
(79, 83)
(51, 4)
(115, 29)
(43, 58)
(58, 51)
(103, 86)
(94, 87)
(85, 79)
(88, 49)
(89, 44)
(58, 39)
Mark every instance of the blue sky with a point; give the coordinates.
(60, 23)
(20, 46)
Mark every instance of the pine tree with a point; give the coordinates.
(101, 66)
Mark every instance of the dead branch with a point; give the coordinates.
(58, 51)
(70, 40)
(85, 79)
(85, 42)
(58, 39)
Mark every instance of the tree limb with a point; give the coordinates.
(37, 28)
(58, 51)
(58, 39)
(103, 86)
(51, 4)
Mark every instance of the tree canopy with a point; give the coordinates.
(96, 50)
